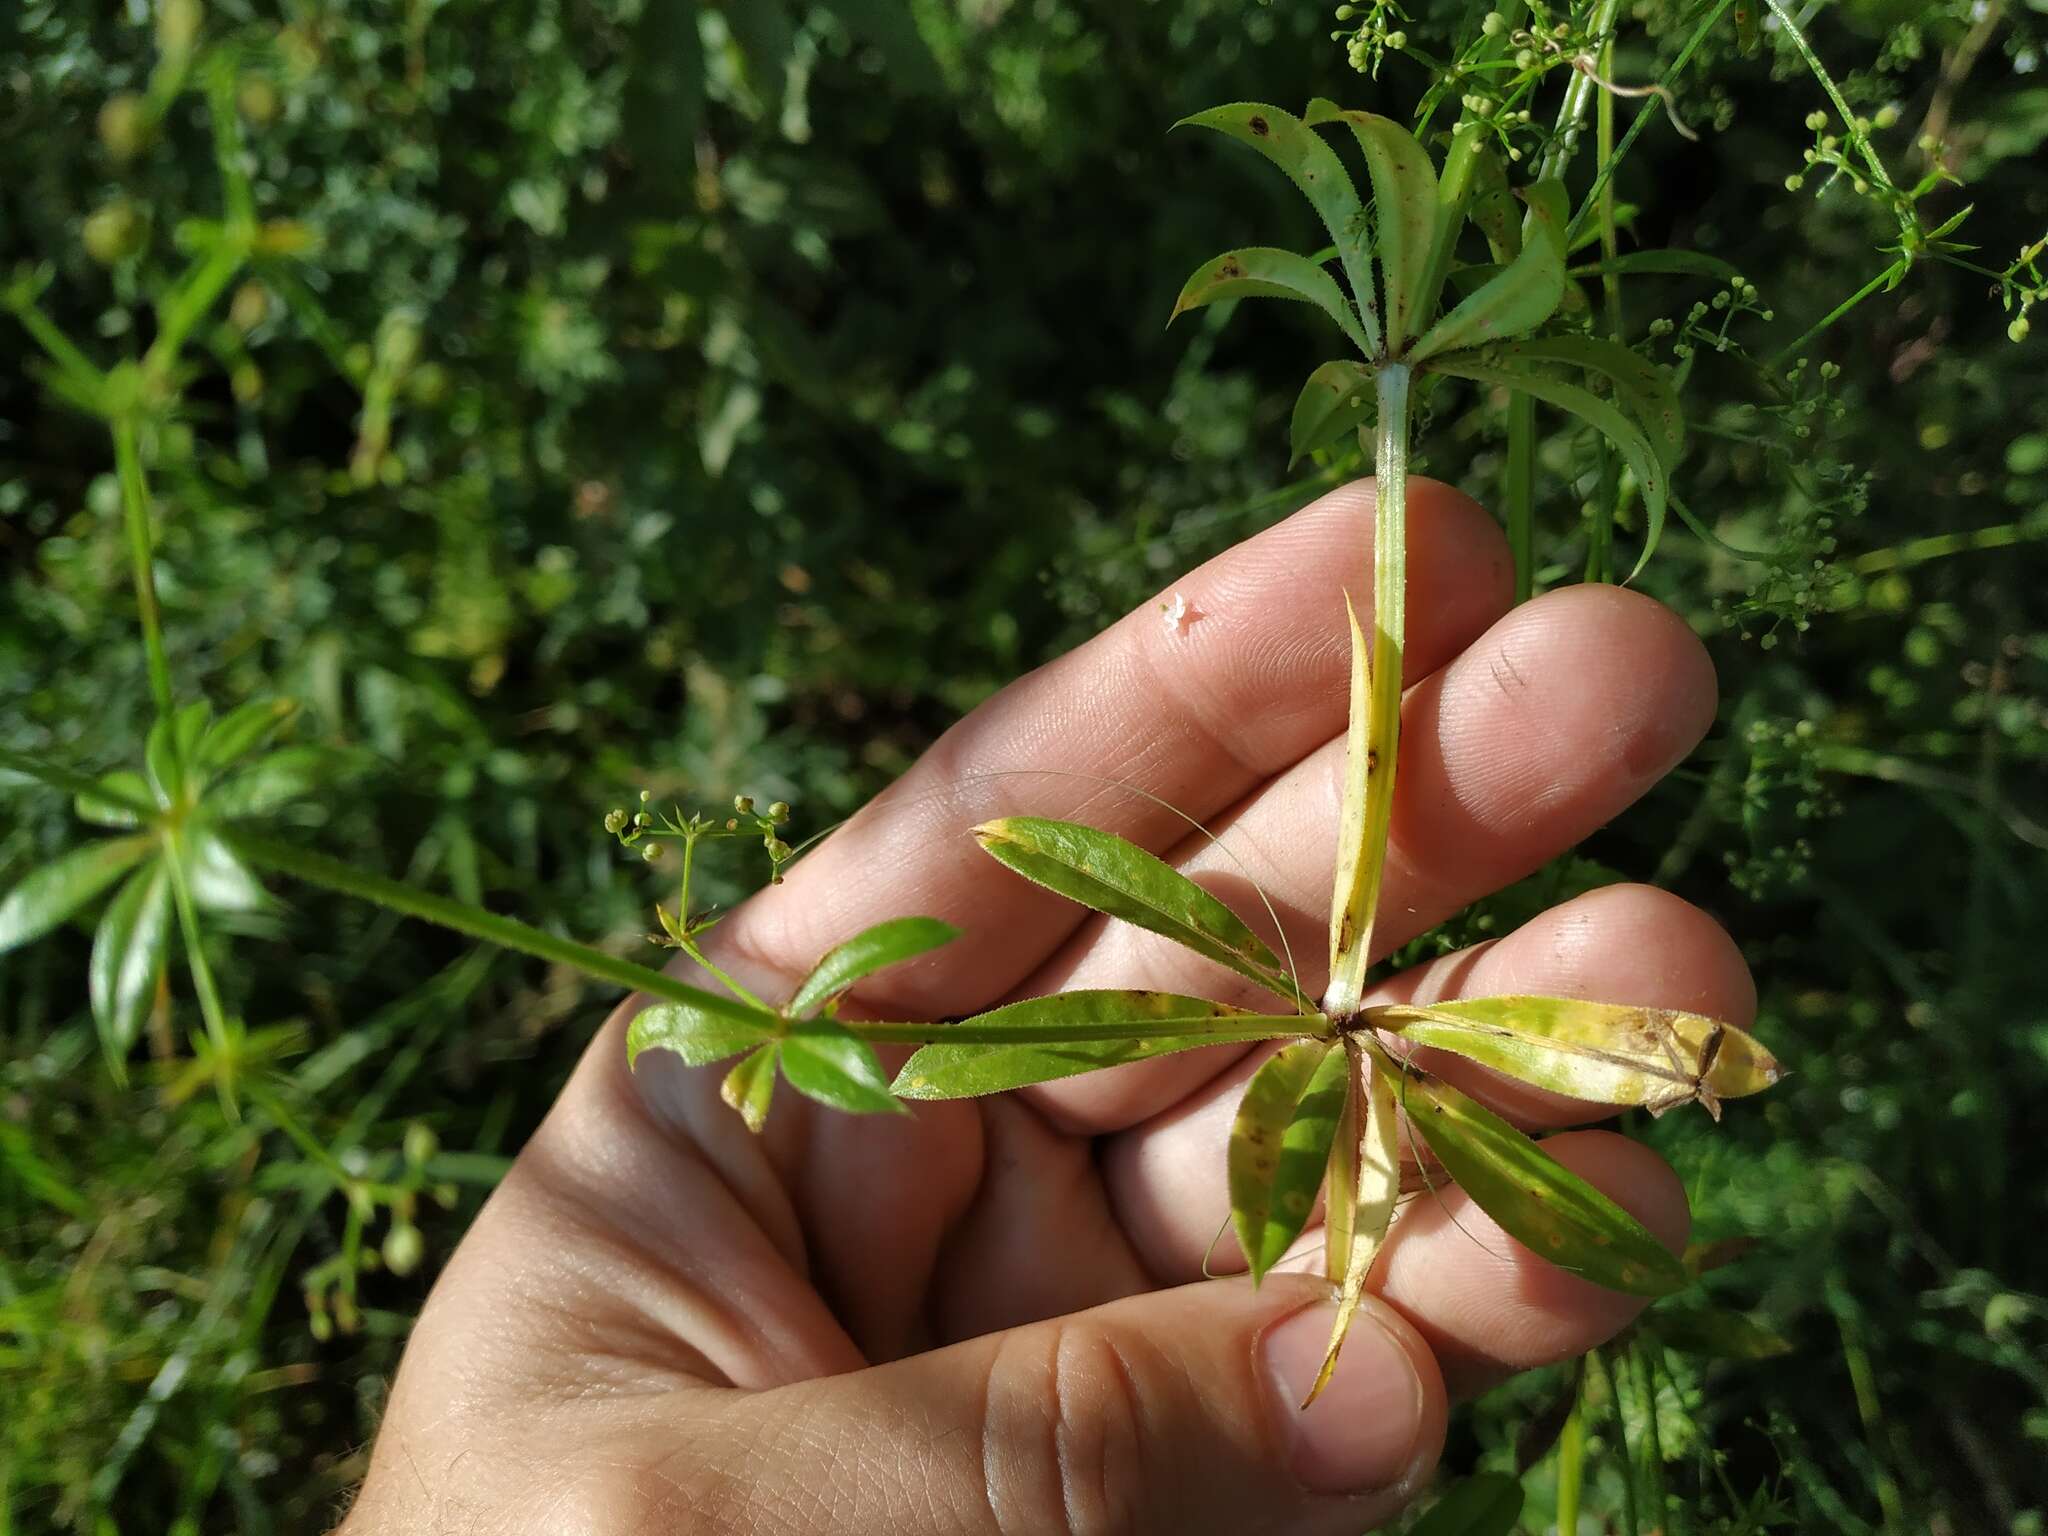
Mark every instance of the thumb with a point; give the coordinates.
(1174, 1411)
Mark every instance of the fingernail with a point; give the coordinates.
(1361, 1434)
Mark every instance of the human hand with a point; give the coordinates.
(990, 1316)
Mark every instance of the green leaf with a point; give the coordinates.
(47, 896)
(1335, 402)
(1644, 390)
(1635, 448)
(1484, 1504)
(160, 758)
(750, 1085)
(1493, 208)
(698, 1034)
(1537, 1200)
(1601, 1052)
(270, 783)
(221, 882)
(1660, 263)
(884, 944)
(1524, 295)
(1454, 193)
(828, 1062)
(114, 801)
(1375, 1191)
(1119, 878)
(241, 731)
(1261, 272)
(1403, 212)
(1043, 1038)
(1313, 167)
(1340, 1202)
(128, 954)
(764, 34)
(1280, 1147)
(1716, 1333)
(891, 26)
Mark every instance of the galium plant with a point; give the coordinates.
(1323, 1116)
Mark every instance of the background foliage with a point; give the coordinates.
(724, 399)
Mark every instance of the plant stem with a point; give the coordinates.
(1571, 1466)
(1938, 546)
(1359, 893)
(1889, 275)
(1607, 506)
(1596, 1366)
(141, 558)
(210, 1008)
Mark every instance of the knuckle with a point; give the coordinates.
(1080, 1395)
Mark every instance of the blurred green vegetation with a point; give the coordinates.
(724, 397)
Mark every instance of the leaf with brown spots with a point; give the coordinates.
(1279, 1146)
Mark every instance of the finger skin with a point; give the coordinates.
(1195, 714)
(1554, 722)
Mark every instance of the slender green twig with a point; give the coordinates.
(1888, 276)
(141, 558)
(1571, 1465)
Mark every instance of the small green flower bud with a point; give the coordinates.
(1815, 121)
(177, 25)
(646, 795)
(1346, 12)
(1794, 183)
(258, 100)
(125, 127)
(1494, 24)
(643, 820)
(1887, 115)
(615, 822)
(249, 308)
(115, 232)
(1397, 39)
(2019, 329)
(420, 1144)
(778, 850)
(778, 812)
(1525, 58)
(403, 1248)
(651, 853)
(743, 805)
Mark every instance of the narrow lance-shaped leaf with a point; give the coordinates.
(1520, 299)
(116, 801)
(241, 731)
(1644, 390)
(1403, 212)
(1358, 875)
(750, 1086)
(221, 882)
(1280, 1146)
(1378, 1191)
(885, 944)
(1103, 871)
(1313, 167)
(698, 1034)
(47, 896)
(1601, 1052)
(1659, 264)
(128, 955)
(1334, 403)
(1043, 1038)
(1534, 1198)
(1263, 272)
(1454, 192)
(1485, 1504)
(826, 1061)
(1600, 414)
(1340, 1197)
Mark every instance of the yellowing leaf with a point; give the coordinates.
(1602, 1052)
(1043, 1038)
(750, 1085)
(1280, 1144)
(1534, 1198)
(1377, 1188)
(1103, 871)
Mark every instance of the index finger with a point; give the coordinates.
(1194, 706)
